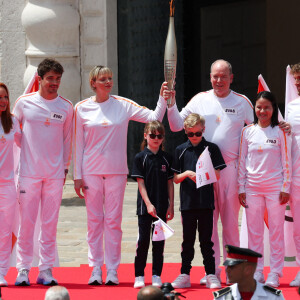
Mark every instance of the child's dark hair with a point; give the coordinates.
(152, 127)
(270, 97)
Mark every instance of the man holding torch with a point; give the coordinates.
(225, 112)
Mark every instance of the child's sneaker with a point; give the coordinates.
(3, 282)
(182, 281)
(218, 274)
(139, 282)
(296, 281)
(212, 281)
(156, 281)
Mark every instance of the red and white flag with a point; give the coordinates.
(33, 84)
(205, 172)
(262, 86)
(162, 230)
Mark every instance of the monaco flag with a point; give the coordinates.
(262, 86)
(162, 230)
(205, 172)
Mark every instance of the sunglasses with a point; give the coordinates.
(153, 136)
(191, 134)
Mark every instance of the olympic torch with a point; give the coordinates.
(170, 60)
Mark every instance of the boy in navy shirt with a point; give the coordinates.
(196, 205)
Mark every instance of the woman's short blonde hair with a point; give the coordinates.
(192, 120)
(96, 71)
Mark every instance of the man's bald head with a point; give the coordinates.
(222, 62)
(150, 293)
(57, 293)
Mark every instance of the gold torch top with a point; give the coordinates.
(172, 8)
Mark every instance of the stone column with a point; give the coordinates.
(98, 39)
(52, 30)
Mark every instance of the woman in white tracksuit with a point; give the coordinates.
(264, 178)
(9, 134)
(100, 165)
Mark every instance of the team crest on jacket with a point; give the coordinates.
(164, 168)
(47, 123)
(3, 139)
(218, 119)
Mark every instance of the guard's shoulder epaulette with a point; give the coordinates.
(222, 292)
(272, 290)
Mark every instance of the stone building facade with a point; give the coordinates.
(78, 33)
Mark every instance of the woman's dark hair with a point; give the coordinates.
(153, 127)
(6, 116)
(270, 97)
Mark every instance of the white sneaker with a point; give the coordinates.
(96, 277)
(203, 280)
(296, 281)
(45, 277)
(182, 281)
(3, 282)
(259, 276)
(22, 278)
(212, 281)
(218, 274)
(156, 281)
(112, 277)
(273, 280)
(139, 282)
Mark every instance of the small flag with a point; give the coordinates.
(262, 86)
(162, 231)
(205, 172)
(33, 84)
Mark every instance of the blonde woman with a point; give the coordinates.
(100, 166)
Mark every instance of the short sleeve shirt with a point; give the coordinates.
(185, 158)
(155, 170)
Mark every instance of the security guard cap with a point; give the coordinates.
(237, 255)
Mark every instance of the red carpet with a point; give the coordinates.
(75, 280)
